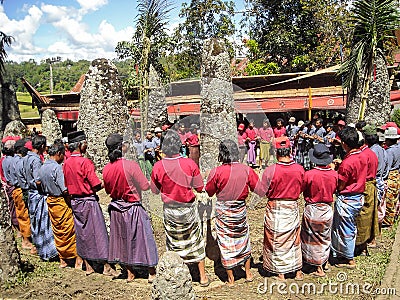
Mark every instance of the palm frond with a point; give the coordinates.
(5, 40)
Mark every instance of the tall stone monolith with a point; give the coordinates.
(217, 122)
(157, 114)
(217, 106)
(16, 128)
(103, 109)
(51, 128)
(8, 106)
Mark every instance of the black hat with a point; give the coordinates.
(320, 155)
(76, 136)
(114, 140)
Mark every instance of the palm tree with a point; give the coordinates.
(364, 73)
(5, 40)
(148, 45)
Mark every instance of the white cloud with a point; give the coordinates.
(73, 38)
(91, 5)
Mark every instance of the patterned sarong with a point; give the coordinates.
(41, 232)
(21, 210)
(392, 197)
(11, 206)
(316, 233)
(233, 234)
(282, 246)
(344, 228)
(381, 192)
(183, 231)
(131, 235)
(367, 220)
(62, 223)
(90, 229)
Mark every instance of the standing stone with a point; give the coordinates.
(378, 106)
(157, 109)
(217, 106)
(51, 128)
(173, 280)
(103, 109)
(16, 128)
(10, 261)
(8, 105)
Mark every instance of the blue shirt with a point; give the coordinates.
(139, 148)
(330, 135)
(393, 156)
(383, 170)
(20, 173)
(13, 174)
(6, 165)
(32, 165)
(150, 145)
(51, 177)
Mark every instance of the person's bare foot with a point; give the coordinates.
(78, 263)
(151, 278)
(89, 269)
(33, 250)
(26, 244)
(281, 277)
(108, 271)
(63, 264)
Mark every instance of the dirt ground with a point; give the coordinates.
(44, 280)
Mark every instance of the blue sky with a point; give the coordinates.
(74, 29)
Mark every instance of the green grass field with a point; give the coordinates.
(26, 110)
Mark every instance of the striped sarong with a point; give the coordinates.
(282, 246)
(62, 223)
(90, 229)
(367, 220)
(131, 235)
(21, 210)
(392, 197)
(316, 233)
(183, 231)
(344, 228)
(381, 192)
(233, 234)
(41, 232)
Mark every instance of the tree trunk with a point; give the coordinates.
(10, 261)
(8, 106)
(378, 105)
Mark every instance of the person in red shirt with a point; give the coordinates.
(183, 135)
(282, 184)
(319, 185)
(251, 139)
(279, 130)
(231, 182)
(194, 143)
(175, 177)
(367, 220)
(241, 134)
(82, 184)
(132, 242)
(352, 177)
(266, 136)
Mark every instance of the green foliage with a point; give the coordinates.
(203, 19)
(396, 116)
(373, 21)
(299, 35)
(259, 67)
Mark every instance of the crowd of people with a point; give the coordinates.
(349, 193)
